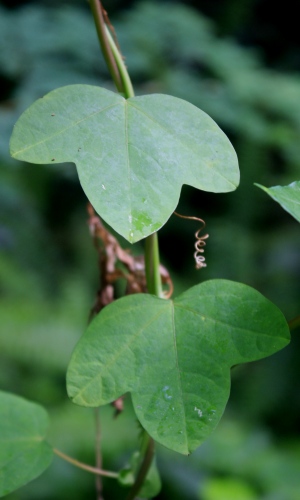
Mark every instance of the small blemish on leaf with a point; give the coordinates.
(52, 114)
(200, 413)
(53, 159)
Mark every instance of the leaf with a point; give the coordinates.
(227, 488)
(152, 484)
(175, 356)
(132, 156)
(24, 454)
(287, 196)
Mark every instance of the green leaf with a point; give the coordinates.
(225, 488)
(175, 356)
(24, 454)
(132, 156)
(152, 484)
(287, 196)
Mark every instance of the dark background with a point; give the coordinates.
(239, 62)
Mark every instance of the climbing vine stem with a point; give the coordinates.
(98, 14)
(121, 78)
(153, 278)
(144, 467)
(111, 53)
(126, 82)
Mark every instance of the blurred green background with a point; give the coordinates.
(239, 61)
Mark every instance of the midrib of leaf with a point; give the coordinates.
(128, 167)
(48, 138)
(162, 172)
(283, 198)
(178, 373)
(234, 327)
(177, 139)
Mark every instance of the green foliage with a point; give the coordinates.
(132, 155)
(174, 356)
(287, 196)
(187, 59)
(152, 484)
(227, 489)
(252, 456)
(24, 453)
(168, 51)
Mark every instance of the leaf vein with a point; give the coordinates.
(177, 139)
(48, 138)
(178, 372)
(113, 359)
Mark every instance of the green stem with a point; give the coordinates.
(144, 468)
(294, 323)
(98, 454)
(118, 70)
(127, 85)
(81, 465)
(97, 12)
(123, 83)
(111, 53)
(153, 278)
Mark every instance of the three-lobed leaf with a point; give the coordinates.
(132, 156)
(24, 453)
(287, 196)
(175, 356)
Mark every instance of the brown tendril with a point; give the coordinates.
(200, 241)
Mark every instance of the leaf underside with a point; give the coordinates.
(24, 453)
(175, 356)
(132, 156)
(287, 196)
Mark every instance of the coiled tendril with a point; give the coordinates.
(199, 243)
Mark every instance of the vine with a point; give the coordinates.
(174, 356)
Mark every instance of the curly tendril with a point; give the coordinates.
(199, 243)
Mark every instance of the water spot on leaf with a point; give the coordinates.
(211, 414)
(166, 396)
